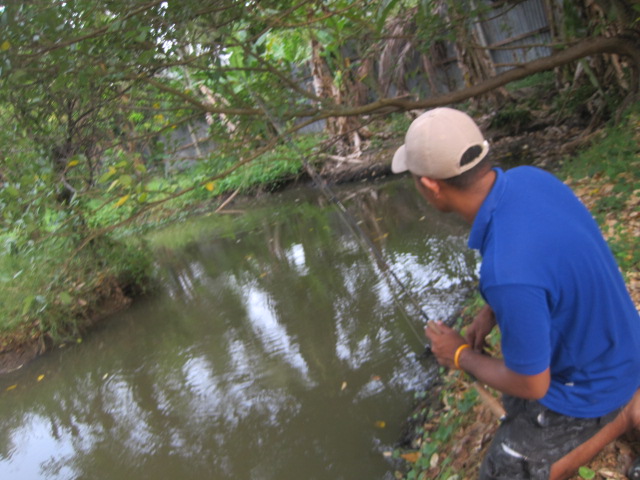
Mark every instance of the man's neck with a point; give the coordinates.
(467, 203)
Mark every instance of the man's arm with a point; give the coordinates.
(494, 373)
(491, 371)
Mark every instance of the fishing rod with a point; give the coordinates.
(353, 224)
(489, 400)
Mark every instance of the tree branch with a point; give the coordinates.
(622, 45)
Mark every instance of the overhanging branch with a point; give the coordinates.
(622, 45)
(628, 46)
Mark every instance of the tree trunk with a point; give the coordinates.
(345, 129)
(607, 18)
(475, 63)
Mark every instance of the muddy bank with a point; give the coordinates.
(23, 345)
(543, 144)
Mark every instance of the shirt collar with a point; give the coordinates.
(483, 217)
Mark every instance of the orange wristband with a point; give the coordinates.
(456, 357)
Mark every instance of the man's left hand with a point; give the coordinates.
(444, 342)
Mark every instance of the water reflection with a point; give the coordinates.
(278, 352)
(273, 335)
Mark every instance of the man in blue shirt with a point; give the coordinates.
(570, 333)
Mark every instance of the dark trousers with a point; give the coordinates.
(532, 437)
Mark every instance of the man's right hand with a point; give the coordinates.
(481, 326)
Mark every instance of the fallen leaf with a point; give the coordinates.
(411, 456)
(343, 386)
(608, 473)
(12, 387)
(40, 377)
(380, 424)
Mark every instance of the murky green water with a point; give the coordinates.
(275, 351)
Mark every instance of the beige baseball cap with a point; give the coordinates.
(435, 142)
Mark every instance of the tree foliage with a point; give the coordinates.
(93, 92)
(86, 80)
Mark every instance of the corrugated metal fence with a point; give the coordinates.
(515, 33)
(512, 32)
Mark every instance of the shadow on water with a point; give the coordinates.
(277, 350)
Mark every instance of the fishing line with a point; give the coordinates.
(489, 400)
(365, 241)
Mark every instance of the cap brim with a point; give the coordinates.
(399, 163)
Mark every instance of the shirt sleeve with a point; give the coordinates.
(522, 314)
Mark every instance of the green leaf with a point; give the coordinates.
(115, 26)
(126, 180)
(113, 185)
(65, 298)
(385, 12)
(142, 36)
(106, 176)
(27, 303)
(586, 473)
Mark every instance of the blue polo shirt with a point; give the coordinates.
(558, 295)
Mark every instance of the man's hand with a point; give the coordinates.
(487, 370)
(444, 342)
(481, 326)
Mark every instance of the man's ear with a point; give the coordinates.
(430, 184)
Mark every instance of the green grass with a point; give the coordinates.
(50, 293)
(615, 152)
(613, 160)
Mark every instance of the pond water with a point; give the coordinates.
(276, 349)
